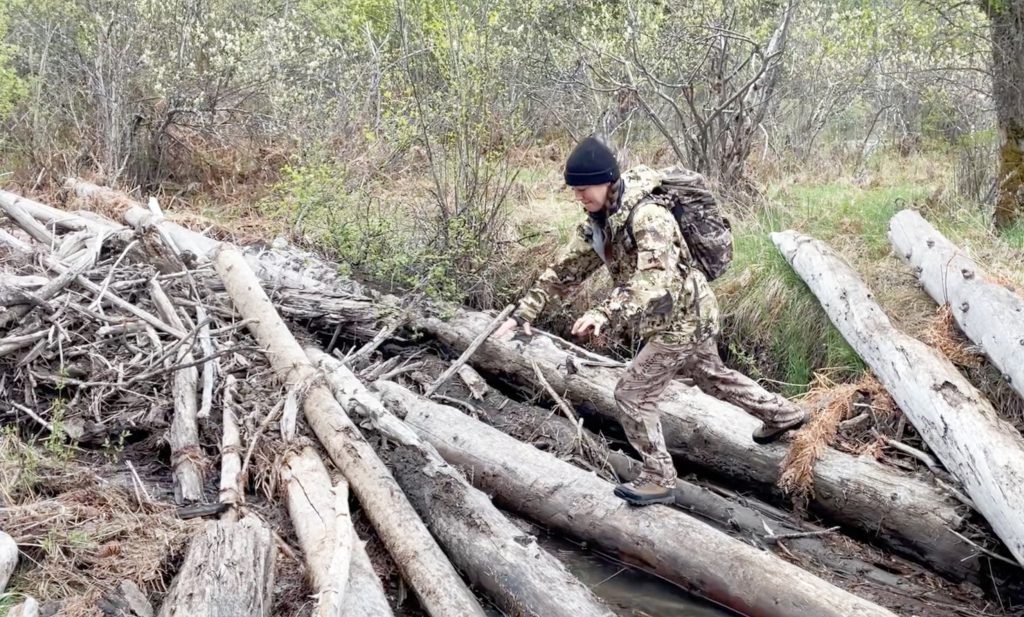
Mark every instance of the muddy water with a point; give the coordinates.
(627, 591)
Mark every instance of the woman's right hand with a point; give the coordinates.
(507, 330)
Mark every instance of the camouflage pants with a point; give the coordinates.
(650, 373)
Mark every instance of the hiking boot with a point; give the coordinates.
(770, 432)
(644, 492)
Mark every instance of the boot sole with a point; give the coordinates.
(643, 501)
(775, 435)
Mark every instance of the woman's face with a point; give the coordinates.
(592, 197)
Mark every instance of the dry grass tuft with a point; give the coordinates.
(943, 334)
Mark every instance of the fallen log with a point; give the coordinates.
(672, 544)
(319, 513)
(183, 436)
(895, 583)
(419, 559)
(900, 512)
(8, 559)
(984, 452)
(364, 584)
(228, 571)
(522, 578)
(28, 608)
(988, 312)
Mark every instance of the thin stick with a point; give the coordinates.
(466, 355)
(983, 549)
(801, 534)
(567, 411)
(386, 332)
(138, 485)
(28, 412)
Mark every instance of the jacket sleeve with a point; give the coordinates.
(654, 289)
(574, 264)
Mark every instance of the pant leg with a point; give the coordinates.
(713, 377)
(637, 394)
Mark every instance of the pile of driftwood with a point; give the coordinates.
(144, 327)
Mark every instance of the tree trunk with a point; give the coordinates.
(522, 578)
(894, 583)
(420, 560)
(228, 572)
(1006, 19)
(904, 513)
(8, 559)
(984, 452)
(319, 513)
(986, 311)
(674, 545)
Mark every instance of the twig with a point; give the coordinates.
(991, 554)
(466, 355)
(386, 332)
(559, 401)
(256, 436)
(800, 534)
(28, 412)
(914, 452)
(137, 482)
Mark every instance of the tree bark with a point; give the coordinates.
(421, 562)
(987, 312)
(8, 559)
(901, 512)
(228, 572)
(1006, 24)
(674, 545)
(984, 452)
(522, 578)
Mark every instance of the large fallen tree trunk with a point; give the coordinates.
(522, 578)
(980, 449)
(987, 312)
(890, 581)
(228, 572)
(906, 514)
(420, 560)
(674, 545)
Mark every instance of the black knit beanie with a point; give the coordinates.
(590, 163)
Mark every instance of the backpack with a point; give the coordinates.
(707, 233)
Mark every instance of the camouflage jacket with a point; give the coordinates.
(657, 291)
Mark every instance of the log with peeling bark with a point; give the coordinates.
(903, 513)
(987, 311)
(893, 582)
(984, 452)
(320, 515)
(672, 544)
(522, 578)
(183, 436)
(422, 563)
(228, 572)
(8, 559)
